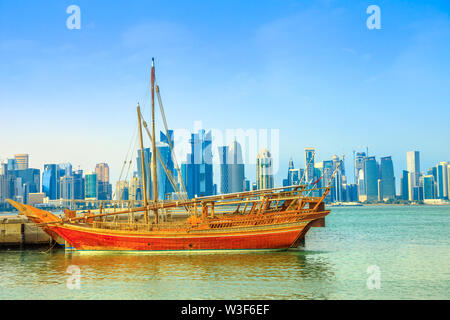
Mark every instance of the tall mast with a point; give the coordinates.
(154, 175)
(144, 177)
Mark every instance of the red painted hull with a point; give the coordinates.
(281, 238)
(85, 236)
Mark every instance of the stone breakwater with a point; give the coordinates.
(19, 231)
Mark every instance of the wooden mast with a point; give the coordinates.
(154, 174)
(144, 177)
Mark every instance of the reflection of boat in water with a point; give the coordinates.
(264, 219)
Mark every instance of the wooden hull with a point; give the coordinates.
(256, 237)
(263, 238)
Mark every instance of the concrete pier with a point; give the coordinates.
(19, 231)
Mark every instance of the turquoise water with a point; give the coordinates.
(410, 246)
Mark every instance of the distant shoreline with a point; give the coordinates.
(388, 204)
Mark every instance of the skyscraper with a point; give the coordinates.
(428, 187)
(404, 193)
(309, 159)
(413, 167)
(147, 158)
(22, 161)
(78, 185)
(67, 187)
(413, 161)
(12, 164)
(167, 157)
(338, 193)
(165, 188)
(134, 189)
(102, 171)
(104, 191)
(4, 184)
(442, 180)
(370, 179)
(264, 175)
(326, 171)
(23, 182)
(197, 170)
(237, 173)
(122, 191)
(387, 178)
(448, 180)
(90, 185)
(224, 170)
(50, 181)
(359, 174)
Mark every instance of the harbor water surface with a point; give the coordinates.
(408, 245)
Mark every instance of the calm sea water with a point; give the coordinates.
(410, 245)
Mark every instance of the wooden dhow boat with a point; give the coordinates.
(269, 219)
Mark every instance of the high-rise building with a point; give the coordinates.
(325, 170)
(309, 159)
(65, 169)
(380, 190)
(404, 193)
(411, 187)
(224, 170)
(23, 182)
(165, 188)
(90, 185)
(448, 180)
(67, 187)
(387, 178)
(104, 191)
(12, 165)
(102, 171)
(50, 181)
(359, 174)
(442, 180)
(122, 191)
(247, 185)
(237, 173)
(4, 185)
(428, 184)
(134, 188)
(351, 193)
(413, 167)
(197, 170)
(413, 161)
(264, 173)
(147, 158)
(370, 180)
(294, 175)
(22, 161)
(337, 192)
(78, 185)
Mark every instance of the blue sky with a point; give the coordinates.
(311, 69)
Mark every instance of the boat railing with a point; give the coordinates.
(140, 226)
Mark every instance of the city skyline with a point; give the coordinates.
(221, 57)
(376, 179)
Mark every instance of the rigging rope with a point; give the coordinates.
(168, 173)
(126, 159)
(166, 127)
